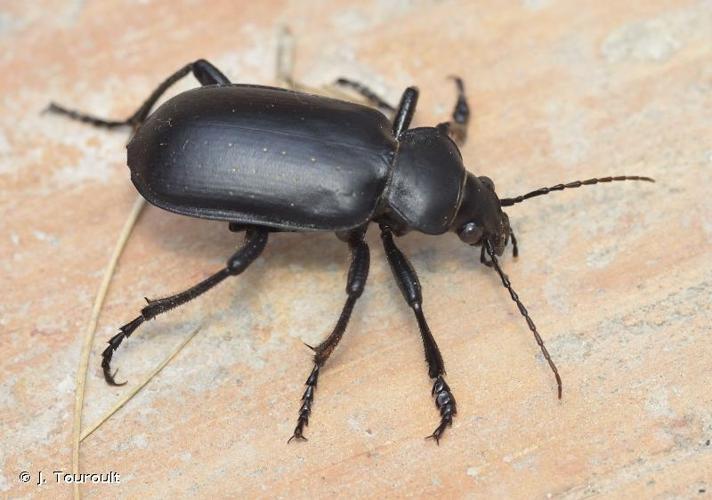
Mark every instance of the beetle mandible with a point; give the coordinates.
(267, 160)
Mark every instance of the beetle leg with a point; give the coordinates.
(255, 241)
(515, 247)
(409, 285)
(358, 273)
(405, 112)
(483, 259)
(456, 128)
(367, 93)
(204, 72)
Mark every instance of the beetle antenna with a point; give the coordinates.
(506, 202)
(523, 310)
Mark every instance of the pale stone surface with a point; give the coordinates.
(618, 277)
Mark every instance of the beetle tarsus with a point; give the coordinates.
(305, 409)
(445, 403)
(366, 93)
(84, 117)
(114, 343)
(204, 72)
(457, 126)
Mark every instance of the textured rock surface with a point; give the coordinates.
(618, 278)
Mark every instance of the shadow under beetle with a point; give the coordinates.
(267, 160)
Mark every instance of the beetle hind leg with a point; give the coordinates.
(358, 273)
(255, 242)
(409, 285)
(368, 94)
(204, 72)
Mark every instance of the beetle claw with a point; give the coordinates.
(435, 436)
(111, 380)
(297, 435)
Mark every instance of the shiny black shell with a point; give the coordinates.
(271, 157)
(264, 156)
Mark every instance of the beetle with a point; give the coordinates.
(269, 160)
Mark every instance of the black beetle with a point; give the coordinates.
(267, 160)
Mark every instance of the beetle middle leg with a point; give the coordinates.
(358, 273)
(204, 72)
(255, 242)
(456, 128)
(410, 287)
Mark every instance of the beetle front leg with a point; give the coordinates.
(456, 128)
(358, 273)
(255, 242)
(409, 285)
(204, 72)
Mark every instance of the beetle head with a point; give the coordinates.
(480, 221)
(480, 218)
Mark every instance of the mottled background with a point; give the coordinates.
(618, 277)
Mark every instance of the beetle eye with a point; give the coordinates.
(487, 182)
(470, 233)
